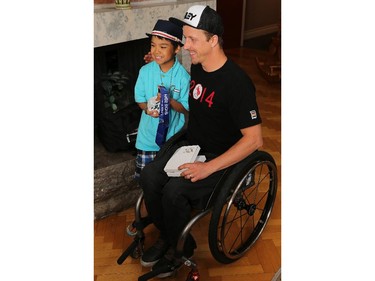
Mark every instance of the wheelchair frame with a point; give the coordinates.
(242, 200)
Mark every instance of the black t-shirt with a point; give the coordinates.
(220, 104)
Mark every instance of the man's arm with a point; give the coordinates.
(251, 140)
(177, 106)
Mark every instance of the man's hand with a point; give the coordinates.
(148, 58)
(195, 171)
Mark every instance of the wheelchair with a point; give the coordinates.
(241, 204)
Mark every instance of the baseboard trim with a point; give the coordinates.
(260, 31)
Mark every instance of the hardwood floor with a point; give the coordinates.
(259, 264)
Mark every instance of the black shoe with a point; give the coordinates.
(152, 255)
(168, 264)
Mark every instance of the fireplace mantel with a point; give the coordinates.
(112, 26)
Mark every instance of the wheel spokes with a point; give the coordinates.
(244, 211)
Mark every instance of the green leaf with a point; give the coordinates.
(107, 86)
(111, 99)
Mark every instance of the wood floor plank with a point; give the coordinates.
(249, 277)
(267, 255)
(229, 269)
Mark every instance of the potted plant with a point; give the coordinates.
(118, 114)
(117, 94)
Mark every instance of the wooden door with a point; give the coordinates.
(232, 15)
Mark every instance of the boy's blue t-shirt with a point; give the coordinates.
(150, 77)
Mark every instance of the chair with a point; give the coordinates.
(241, 204)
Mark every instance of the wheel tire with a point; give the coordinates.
(243, 207)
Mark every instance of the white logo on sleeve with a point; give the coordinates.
(253, 114)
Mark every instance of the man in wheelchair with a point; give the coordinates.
(224, 121)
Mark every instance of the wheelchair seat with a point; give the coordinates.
(241, 204)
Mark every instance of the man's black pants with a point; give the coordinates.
(169, 200)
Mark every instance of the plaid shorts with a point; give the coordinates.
(142, 159)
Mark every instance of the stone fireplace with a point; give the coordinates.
(112, 26)
(120, 43)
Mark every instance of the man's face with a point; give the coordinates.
(196, 44)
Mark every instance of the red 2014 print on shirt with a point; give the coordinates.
(199, 93)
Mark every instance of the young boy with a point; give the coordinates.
(165, 70)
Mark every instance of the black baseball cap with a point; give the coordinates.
(202, 17)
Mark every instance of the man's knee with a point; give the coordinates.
(145, 173)
(151, 171)
(152, 178)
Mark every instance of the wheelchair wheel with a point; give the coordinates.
(243, 207)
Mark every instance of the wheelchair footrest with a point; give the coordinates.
(132, 228)
(156, 272)
(127, 252)
(193, 275)
(135, 250)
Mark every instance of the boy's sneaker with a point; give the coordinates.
(152, 255)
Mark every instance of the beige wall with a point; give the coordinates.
(261, 17)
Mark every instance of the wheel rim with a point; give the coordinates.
(246, 212)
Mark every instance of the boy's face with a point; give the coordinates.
(162, 50)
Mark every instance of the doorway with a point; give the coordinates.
(232, 14)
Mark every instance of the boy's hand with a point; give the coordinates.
(153, 113)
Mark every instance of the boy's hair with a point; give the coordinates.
(174, 43)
